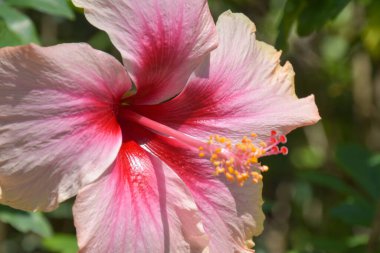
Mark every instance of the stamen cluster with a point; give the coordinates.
(240, 161)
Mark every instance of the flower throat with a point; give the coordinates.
(238, 162)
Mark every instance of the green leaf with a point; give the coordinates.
(62, 243)
(355, 212)
(317, 13)
(357, 240)
(19, 24)
(371, 32)
(310, 15)
(306, 157)
(292, 10)
(328, 181)
(8, 38)
(100, 41)
(329, 244)
(53, 7)
(358, 163)
(26, 221)
(217, 7)
(64, 211)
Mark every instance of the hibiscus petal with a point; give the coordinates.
(57, 125)
(161, 42)
(140, 206)
(229, 217)
(241, 88)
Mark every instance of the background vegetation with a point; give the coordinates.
(324, 197)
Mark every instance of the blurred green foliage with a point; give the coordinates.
(310, 16)
(322, 198)
(17, 28)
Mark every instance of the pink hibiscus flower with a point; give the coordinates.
(145, 165)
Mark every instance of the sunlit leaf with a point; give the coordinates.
(334, 48)
(7, 37)
(62, 243)
(18, 23)
(371, 33)
(53, 7)
(306, 157)
(26, 221)
(357, 240)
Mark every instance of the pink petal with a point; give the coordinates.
(140, 206)
(58, 131)
(230, 217)
(161, 42)
(240, 89)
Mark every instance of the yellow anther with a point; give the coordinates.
(213, 157)
(230, 177)
(264, 168)
(245, 175)
(253, 159)
(220, 169)
(218, 151)
(216, 163)
(241, 147)
(256, 177)
(241, 178)
(229, 162)
(237, 161)
(246, 140)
